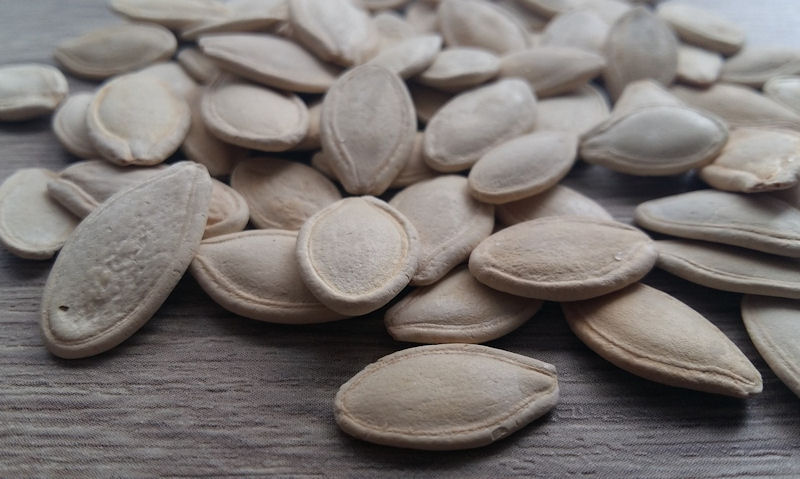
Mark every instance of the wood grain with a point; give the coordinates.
(202, 392)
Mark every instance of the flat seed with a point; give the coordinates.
(653, 335)
(458, 396)
(282, 194)
(136, 120)
(233, 110)
(415, 169)
(755, 65)
(69, 125)
(198, 65)
(697, 66)
(449, 221)
(174, 77)
(523, 167)
(245, 16)
(32, 225)
(475, 23)
(409, 57)
(203, 147)
(729, 268)
(368, 128)
(576, 112)
(784, 90)
(270, 60)
(702, 28)
(88, 305)
(422, 16)
(460, 68)
(756, 160)
(392, 28)
(476, 121)
(759, 222)
(773, 326)
(254, 274)
(583, 29)
(563, 258)
(643, 94)
(559, 200)
(639, 45)
(115, 49)
(30, 90)
(357, 254)
(227, 211)
(457, 309)
(175, 14)
(553, 70)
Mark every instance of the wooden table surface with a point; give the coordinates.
(200, 391)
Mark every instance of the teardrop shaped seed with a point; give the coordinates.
(754, 65)
(459, 68)
(411, 56)
(175, 14)
(69, 125)
(553, 70)
(474, 23)
(703, 28)
(643, 94)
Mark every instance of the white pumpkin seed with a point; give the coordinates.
(475, 23)
(460, 68)
(174, 77)
(174, 14)
(703, 28)
(69, 125)
(576, 112)
(409, 57)
(784, 90)
(583, 29)
(559, 200)
(415, 169)
(697, 66)
(198, 65)
(643, 94)
(227, 211)
(245, 16)
(203, 147)
(754, 65)
(29, 90)
(422, 16)
(553, 70)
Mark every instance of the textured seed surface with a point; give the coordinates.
(653, 335)
(29, 90)
(576, 112)
(69, 125)
(559, 200)
(553, 70)
(457, 396)
(702, 28)
(473, 23)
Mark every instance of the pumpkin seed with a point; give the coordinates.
(409, 57)
(69, 125)
(576, 112)
(697, 66)
(203, 147)
(703, 28)
(475, 23)
(459, 68)
(29, 90)
(754, 65)
(582, 29)
(553, 70)
(175, 14)
(559, 200)
(198, 65)
(244, 16)
(784, 90)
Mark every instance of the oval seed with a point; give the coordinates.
(754, 65)
(227, 211)
(174, 14)
(559, 200)
(576, 112)
(643, 94)
(89, 305)
(449, 221)
(553, 70)
(32, 225)
(136, 120)
(460, 68)
(282, 194)
(653, 335)
(457, 309)
(497, 393)
(784, 90)
(703, 28)
(30, 90)
(203, 147)
(115, 49)
(409, 57)
(198, 65)
(474, 23)
(254, 274)
(563, 258)
(357, 254)
(697, 66)
(245, 16)
(174, 77)
(69, 125)
(583, 29)
(422, 16)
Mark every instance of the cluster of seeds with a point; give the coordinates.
(411, 126)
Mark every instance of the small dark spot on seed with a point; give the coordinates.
(63, 308)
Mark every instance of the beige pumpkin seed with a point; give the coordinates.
(784, 90)
(553, 70)
(653, 335)
(321, 163)
(550, 8)
(233, 110)
(367, 128)
(427, 101)
(174, 14)
(244, 16)
(203, 147)
(563, 258)
(88, 305)
(773, 326)
(254, 274)
(115, 49)
(457, 309)
(559, 200)
(687, 139)
(582, 29)
(335, 30)
(475, 23)
(697, 66)
(643, 94)
(754, 65)
(174, 77)
(460, 68)
(449, 221)
(755, 160)
(476, 121)
(497, 393)
(32, 225)
(409, 57)
(422, 16)
(136, 120)
(69, 125)
(270, 60)
(198, 65)
(703, 28)
(227, 211)
(357, 254)
(312, 141)
(392, 29)
(415, 169)
(523, 167)
(282, 194)
(576, 112)
(639, 45)
(756, 222)
(29, 90)
(729, 268)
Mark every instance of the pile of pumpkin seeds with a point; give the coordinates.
(373, 145)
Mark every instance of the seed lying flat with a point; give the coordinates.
(449, 221)
(563, 258)
(357, 254)
(559, 200)
(580, 28)
(702, 28)
(577, 112)
(203, 147)
(756, 222)
(136, 120)
(474, 23)
(198, 65)
(115, 49)
(69, 125)
(244, 16)
(254, 274)
(29, 90)
(755, 160)
(697, 66)
(524, 166)
(367, 128)
(457, 309)
(754, 65)
(773, 326)
(409, 57)
(460, 68)
(476, 121)
(174, 14)
(233, 110)
(643, 94)
(784, 90)
(392, 28)
(174, 77)
(457, 396)
(32, 225)
(653, 335)
(88, 305)
(729, 268)
(282, 194)
(553, 70)
(270, 60)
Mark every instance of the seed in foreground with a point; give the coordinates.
(445, 397)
